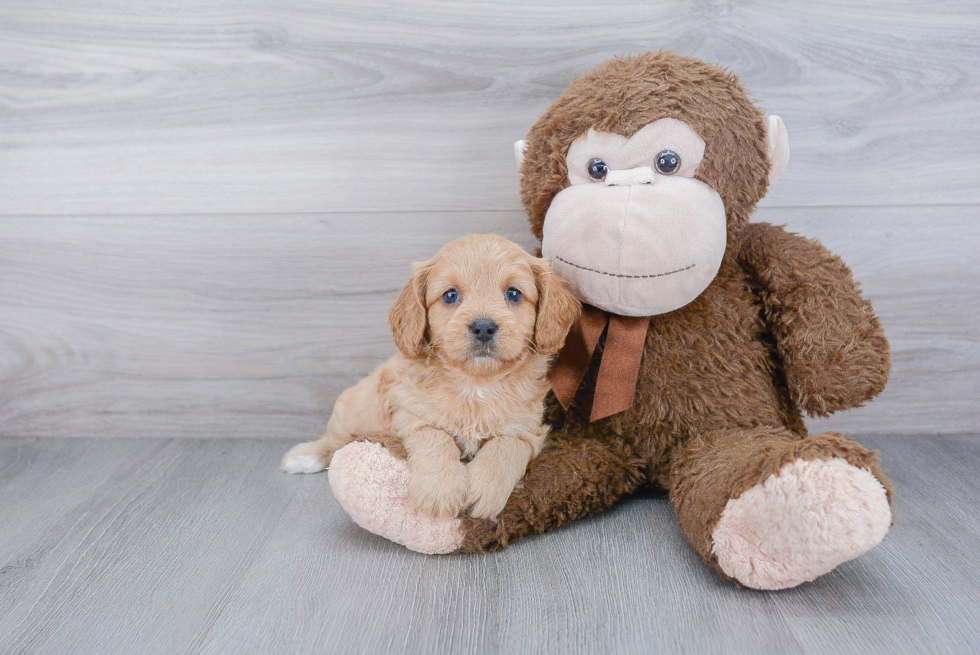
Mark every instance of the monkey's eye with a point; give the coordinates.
(513, 295)
(450, 296)
(597, 169)
(668, 162)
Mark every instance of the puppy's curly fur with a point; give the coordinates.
(451, 395)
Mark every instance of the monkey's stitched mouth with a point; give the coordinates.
(593, 270)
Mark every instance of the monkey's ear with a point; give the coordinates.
(778, 147)
(558, 309)
(408, 317)
(520, 147)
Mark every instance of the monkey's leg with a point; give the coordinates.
(771, 509)
(571, 478)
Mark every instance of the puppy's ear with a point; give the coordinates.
(408, 317)
(558, 309)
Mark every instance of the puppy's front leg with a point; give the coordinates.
(494, 473)
(437, 483)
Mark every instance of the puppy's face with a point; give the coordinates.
(481, 298)
(482, 304)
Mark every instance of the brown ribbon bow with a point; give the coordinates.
(616, 384)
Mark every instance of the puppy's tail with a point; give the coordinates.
(309, 457)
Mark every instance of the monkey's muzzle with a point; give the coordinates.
(636, 249)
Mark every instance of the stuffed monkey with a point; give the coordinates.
(704, 339)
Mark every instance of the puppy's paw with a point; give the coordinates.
(310, 457)
(440, 493)
(490, 488)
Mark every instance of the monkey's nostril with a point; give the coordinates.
(483, 329)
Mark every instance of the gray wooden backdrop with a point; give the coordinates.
(206, 208)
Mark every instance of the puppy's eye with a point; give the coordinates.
(450, 297)
(513, 295)
(597, 169)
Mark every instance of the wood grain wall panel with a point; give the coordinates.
(264, 106)
(248, 326)
(205, 325)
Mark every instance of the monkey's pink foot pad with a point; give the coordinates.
(801, 523)
(371, 485)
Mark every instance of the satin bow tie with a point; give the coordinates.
(620, 366)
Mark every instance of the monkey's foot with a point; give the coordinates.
(801, 523)
(371, 485)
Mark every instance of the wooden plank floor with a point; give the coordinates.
(202, 546)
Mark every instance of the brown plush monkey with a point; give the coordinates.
(705, 339)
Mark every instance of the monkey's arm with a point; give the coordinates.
(573, 477)
(834, 353)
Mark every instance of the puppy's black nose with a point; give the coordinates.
(483, 329)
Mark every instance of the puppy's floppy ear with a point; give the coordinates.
(558, 309)
(408, 317)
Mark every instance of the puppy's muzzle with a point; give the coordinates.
(483, 330)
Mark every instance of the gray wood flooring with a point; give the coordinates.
(202, 546)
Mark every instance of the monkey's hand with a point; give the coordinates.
(834, 353)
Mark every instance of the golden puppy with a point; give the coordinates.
(476, 326)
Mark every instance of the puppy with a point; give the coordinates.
(476, 327)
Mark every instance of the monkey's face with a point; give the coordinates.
(635, 234)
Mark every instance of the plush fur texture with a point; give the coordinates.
(724, 380)
(448, 394)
